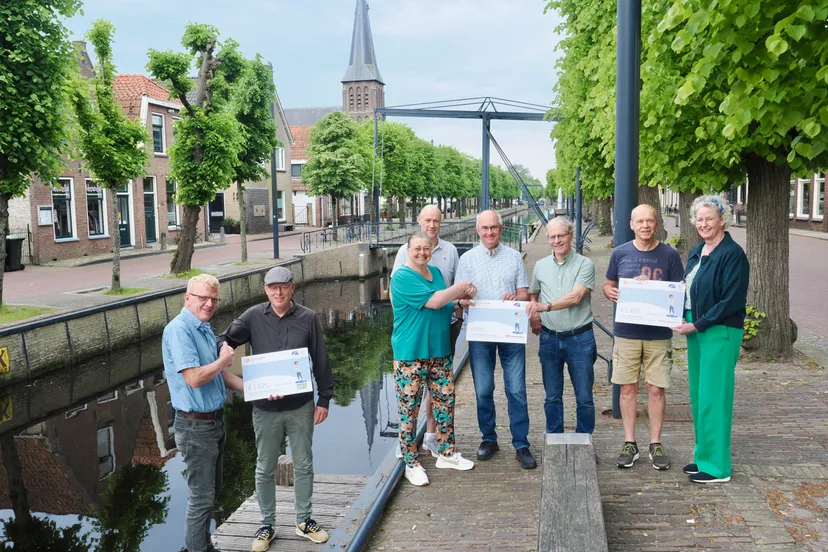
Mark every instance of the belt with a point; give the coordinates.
(201, 415)
(568, 333)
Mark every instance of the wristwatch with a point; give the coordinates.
(549, 307)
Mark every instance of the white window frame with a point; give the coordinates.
(280, 159)
(105, 212)
(163, 133)
(818, 178)
(792, 193)
(800, 187)
(172, 128)
(111, 431)
(72, 208)
(110, 399)
(177, 224)
(134, 387)
(71, 413)
(295, 162)
(154, 206)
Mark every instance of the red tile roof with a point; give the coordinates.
(146, 446)
(129, 89)
(299, 149)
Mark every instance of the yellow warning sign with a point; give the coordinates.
(5, 409)
(5, 364)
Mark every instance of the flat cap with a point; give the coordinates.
(278, 275)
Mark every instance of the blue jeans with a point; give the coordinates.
(579, 353)
(201, 443)
(513, 362)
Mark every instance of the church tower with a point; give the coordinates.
(362, 86)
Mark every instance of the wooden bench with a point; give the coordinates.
(571, 516)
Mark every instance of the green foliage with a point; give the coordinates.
(239, 458)
(110, 143)
(752, 321)
(131, 504)
(674, 240)
(187, 274)
(125, 291)
(35, 65)
(335, 166)
(15, 313)
(42, 535)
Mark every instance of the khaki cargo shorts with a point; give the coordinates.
(631, 356)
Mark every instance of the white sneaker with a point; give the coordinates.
(431, 446)
(416, 476)
(454, 461)
(399, 453)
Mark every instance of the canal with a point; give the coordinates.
(88, 453)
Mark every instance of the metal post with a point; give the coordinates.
(273, 190)
(484, 188)
(627, 108)
(374, 188)
(579, 203)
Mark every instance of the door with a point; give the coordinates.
(216, 210)
(123, 220)
(149, 208)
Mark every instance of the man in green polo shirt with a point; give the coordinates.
(560, 311)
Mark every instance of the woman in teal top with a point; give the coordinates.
(716, 280)
(422, 354)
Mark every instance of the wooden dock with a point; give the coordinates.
(332, 496)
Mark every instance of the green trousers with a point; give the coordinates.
(711, 368)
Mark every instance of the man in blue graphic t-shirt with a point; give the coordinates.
(643, 258)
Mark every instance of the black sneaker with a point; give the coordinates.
(690, 469)
(702, 477)
(264, 535)
(527, 461)
(629, 454)
(659, 457)
(487, 450)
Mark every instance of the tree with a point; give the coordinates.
(251, 107)
(208, 140)
(35, 65)
(132, 503)
(749, 82)
(335, 165)
(111, 144)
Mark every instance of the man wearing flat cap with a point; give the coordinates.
(280, 325)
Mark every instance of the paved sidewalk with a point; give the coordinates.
(777, 499)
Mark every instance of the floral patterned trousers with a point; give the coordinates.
(410, 376)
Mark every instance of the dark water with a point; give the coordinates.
(88, 455)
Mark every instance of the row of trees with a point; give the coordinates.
(341, 163)
(731, 90)
(49, 113)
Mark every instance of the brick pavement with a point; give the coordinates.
(776, 500)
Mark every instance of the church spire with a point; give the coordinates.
(363, 63)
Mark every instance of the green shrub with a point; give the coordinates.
(752, 321)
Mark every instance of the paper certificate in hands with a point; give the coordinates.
(279, 373)
(650, 302)
(497, 322)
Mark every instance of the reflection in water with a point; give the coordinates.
(89, 459)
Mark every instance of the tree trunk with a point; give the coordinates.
(18, 495)
(689, 236)
(768, 252)
(335, 210)
(116, 240)
(183, 256)
(414, 211)
(649, 195)
(401, 208)
(243, 222)
(605, 217)
(4, 231)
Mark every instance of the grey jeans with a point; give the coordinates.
(270, 428)
(201, 443)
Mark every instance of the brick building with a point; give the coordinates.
(363, 90)
(806, 203)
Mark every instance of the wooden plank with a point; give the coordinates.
(571, 514)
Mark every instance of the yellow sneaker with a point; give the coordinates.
(311, 530)
(263, 537)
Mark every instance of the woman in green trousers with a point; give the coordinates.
(716, 277)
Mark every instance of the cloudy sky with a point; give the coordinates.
(427, 50)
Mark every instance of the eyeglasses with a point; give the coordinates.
(558, 237)
(490, 228)
(420, 249)
(204, 298)
(279, 287)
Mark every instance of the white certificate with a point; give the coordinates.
(279, 373)
(498, 322)
(650, 302)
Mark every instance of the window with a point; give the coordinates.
(280, 159)
(172, 208)
(109, 397)
(134, 387)
(819, 196)
(280, 206)
(64, 208)
(106, 452)
(296, 170)
(170, 419)
(174, 133)
(71, 413)
(803, 204)
(791, 198)
(157, 133)
(95, 209)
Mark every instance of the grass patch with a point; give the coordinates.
(187, 274)
(15, 313)
(125, 291)
(244, 264)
